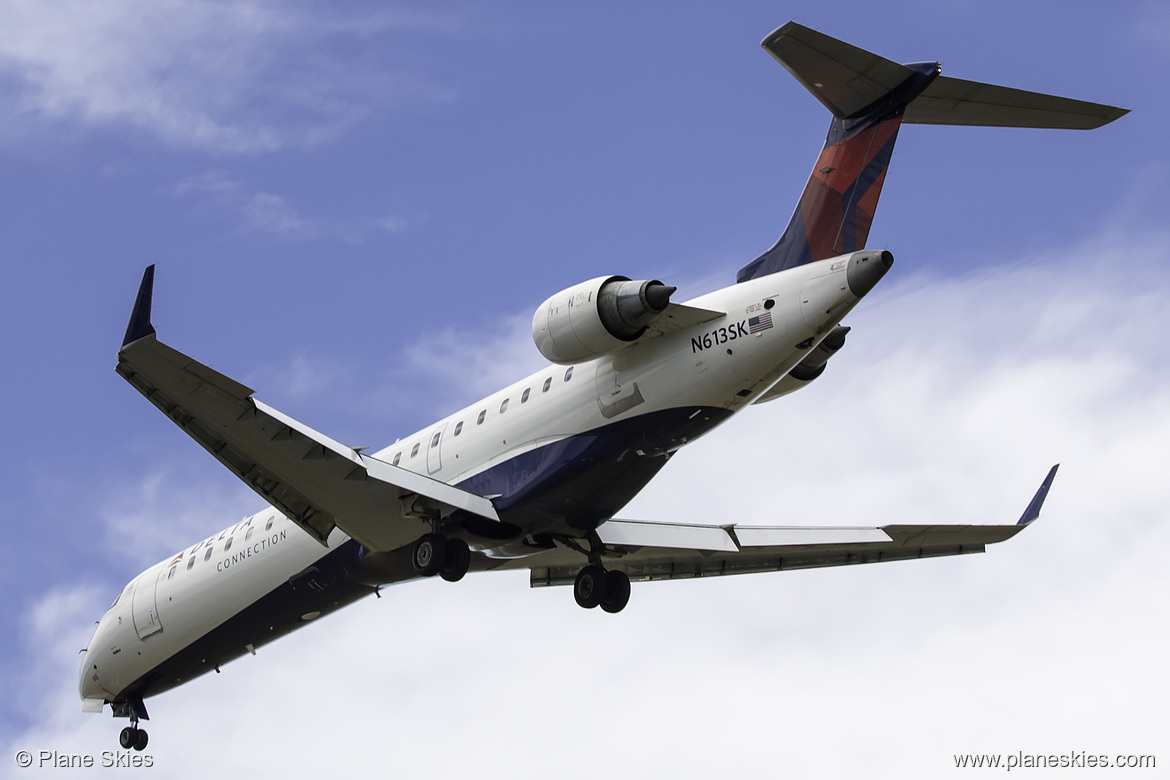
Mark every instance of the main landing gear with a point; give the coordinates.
(596, 587)
(435, 554)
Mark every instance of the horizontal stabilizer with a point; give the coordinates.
(846, 79)
(950, 101)
(849, 81)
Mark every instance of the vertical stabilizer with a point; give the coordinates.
(870, 97)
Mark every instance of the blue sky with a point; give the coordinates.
(355, 211)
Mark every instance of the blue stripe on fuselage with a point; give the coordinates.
(580, 481)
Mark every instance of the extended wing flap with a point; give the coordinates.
(659, 551)
(667, 551)
(315, 481)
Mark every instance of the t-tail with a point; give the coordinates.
(870, 98)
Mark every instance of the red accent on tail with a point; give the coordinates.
(841, 196)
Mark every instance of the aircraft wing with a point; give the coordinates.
(666, 551)
(315, 481)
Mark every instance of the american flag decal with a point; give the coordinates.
(760, 323)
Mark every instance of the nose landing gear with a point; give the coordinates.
(133, 737)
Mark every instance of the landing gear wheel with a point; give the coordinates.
(133, 737)
(457, 562)
(430, 552)
(617, 591)
(589, 587)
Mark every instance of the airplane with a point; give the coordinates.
(534, 476)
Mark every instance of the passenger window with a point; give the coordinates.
(209, 551)
(458, 427)
(569, 374)
(268, 525)
(397, 457)
(228, 546)
(547, 385)
(435, 439)
(248, 535)
(414, 450)
(190, 563)
(524, 398)
(504, 406)
(482, 415)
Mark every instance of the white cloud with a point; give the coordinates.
(167, 509)
(243, 76)
(948, 404)
(392, 224)
(261, 212)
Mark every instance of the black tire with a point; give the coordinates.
(617, 591)
(430, 552)
(589, 587)
(458, 560)
(128, 737)
(140, 739)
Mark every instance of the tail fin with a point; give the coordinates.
(870, 97)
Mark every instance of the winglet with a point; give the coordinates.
(139, 325)
(1033, 510)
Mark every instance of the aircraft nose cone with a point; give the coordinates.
(866, 269)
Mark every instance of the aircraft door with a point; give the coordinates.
(434, 447)
(145, 604)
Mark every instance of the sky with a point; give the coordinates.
(355, 210)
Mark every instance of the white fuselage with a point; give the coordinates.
(717, 368)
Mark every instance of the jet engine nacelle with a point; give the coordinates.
(810, 368)
(597, 317)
